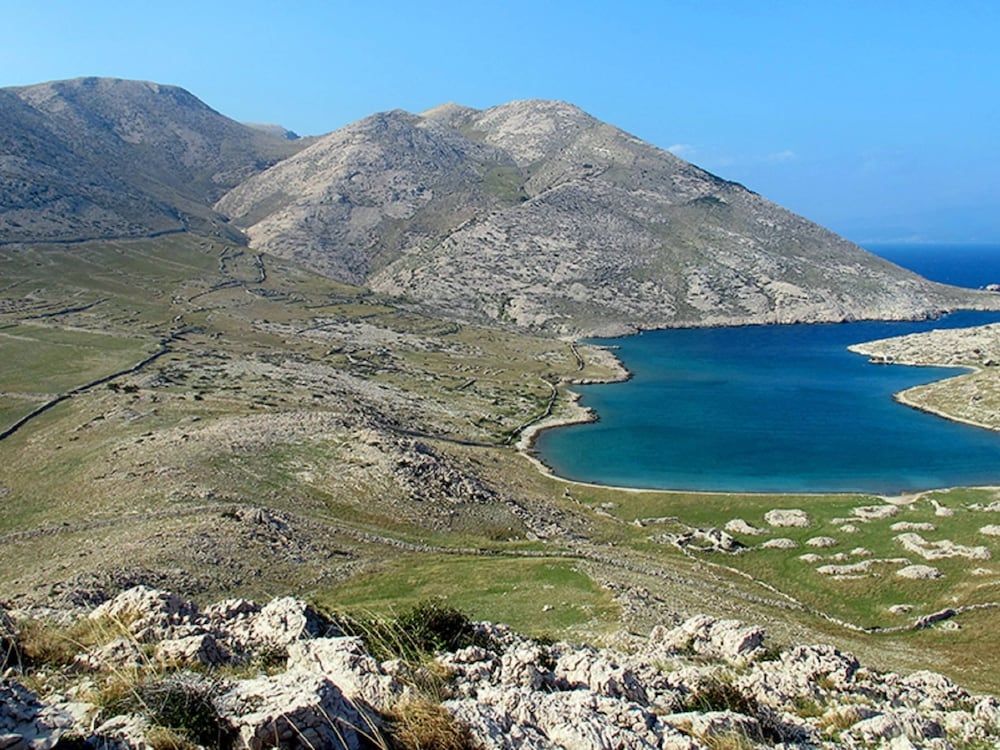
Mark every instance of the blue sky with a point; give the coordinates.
(879, 119)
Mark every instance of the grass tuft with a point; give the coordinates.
(423, 724)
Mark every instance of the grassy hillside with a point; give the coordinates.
(300, 435)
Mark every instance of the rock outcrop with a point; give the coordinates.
(703, 684)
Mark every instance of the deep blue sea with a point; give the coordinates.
(780, 408)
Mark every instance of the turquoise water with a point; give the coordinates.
(770, 409)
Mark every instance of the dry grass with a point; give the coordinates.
(45, 644)
(424, 724)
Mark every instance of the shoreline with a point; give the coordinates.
(585, 415)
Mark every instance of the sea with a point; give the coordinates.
(781, 408)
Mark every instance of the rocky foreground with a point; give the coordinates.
(148, 669)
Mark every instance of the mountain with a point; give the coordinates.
(100, 158)
(537, 214)
(533, 213)
(279, 131)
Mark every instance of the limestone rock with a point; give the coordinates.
(723, 639)
(875, 512)
(739, 526)
(123, 732)
(919, 572)
(345, 662)
(779, 543)
(26, 723)
(148, 613)
(822, 541)
(280, 623)
(293, 709)
(789, 517)
(200, 649)
(121, 653)
(589, 669)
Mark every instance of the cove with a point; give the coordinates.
(770, 409)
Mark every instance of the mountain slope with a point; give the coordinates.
(536, 213)
(97, 157)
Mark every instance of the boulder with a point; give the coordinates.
(729, 640)
(293, 709)
(905, 723)
(123, 732)
(779, 543)
(875, 512)
(121, 653)
(919, 572)
(590, 669)
(787, 517)
(200, 649)
(345, 662)
(521, 666)
(803, 672)
(821, 541)
(494, 729)
(149, 614)
(277, 625)
(739, 526)
(709, 725)
(26, 723)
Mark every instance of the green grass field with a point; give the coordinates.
(377, 439)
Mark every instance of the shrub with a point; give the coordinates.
(180, 705)
(720, 694)
(412, 636)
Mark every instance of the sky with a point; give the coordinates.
(880, 120)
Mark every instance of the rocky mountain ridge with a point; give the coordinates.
(99, 158)
(531, 214)
(536, 214)
(286, 675)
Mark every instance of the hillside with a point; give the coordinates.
(536, 214)
(100, 158)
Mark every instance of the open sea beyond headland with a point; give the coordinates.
(781, 408)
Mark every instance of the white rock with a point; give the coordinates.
(148, 613)
(200, 649)
(875, 512)
(822, 541)
(739, 526)
(596, 671)
(293, 709)
(787, 517)
(346, 663)
(990, 530)
(121, 653)
(27, 722)
(779, 543)
(940, 550)
(493, 728)
(730, 640)
(521, 667)
(912, 526)
(124, 732)
(280, 623)
(919, 572)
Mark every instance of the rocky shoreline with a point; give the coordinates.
(286, 675)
